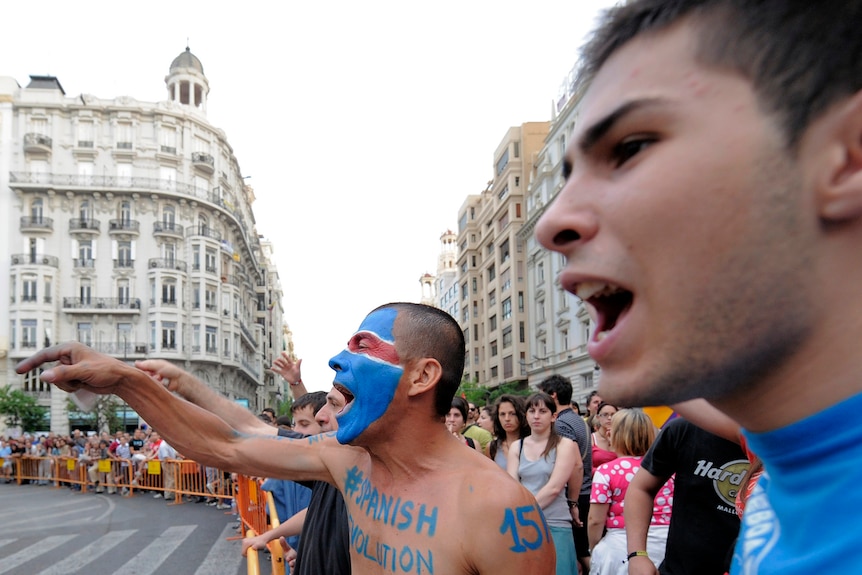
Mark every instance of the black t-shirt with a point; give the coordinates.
(709, 471)
(324, 543)
(136, 445)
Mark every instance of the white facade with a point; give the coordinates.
(560, 326)
(130, 229)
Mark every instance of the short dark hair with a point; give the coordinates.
(800, 56)
(461, 405)
(558, 384)
(316, 399)
(431, 332)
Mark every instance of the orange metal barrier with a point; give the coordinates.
(275, 549)
(251, 503)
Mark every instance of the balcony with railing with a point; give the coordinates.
(87, 226)
(203, 162)
(170, 229)
(124, 263)
(35, 259)
(121, 348)
(38, 143)
(124, 226)
(204, 231)
(36, 224)
(101, 305)
(249, 336)
(83, 263)
(167, 264)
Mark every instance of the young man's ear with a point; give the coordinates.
(839, 192)
(425, 373)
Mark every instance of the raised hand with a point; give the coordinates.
(287, 368)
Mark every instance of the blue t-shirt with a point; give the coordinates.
(801, 517)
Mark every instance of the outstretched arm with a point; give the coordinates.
(194, 390)
(191, 430)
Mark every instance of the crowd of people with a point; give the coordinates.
(106, 463)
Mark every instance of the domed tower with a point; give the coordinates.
(448, 252)
(186, 82)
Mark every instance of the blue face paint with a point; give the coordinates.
(370, 370)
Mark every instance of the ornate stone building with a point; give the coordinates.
(130, 228)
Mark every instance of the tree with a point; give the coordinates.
(103, 416)
(481, 395)
(21, 410)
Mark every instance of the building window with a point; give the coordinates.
(507, 308)
(36, 210)
(169, 293)
(85, 333)
(123, 291)
(504, 251)
(492, 297)
(196, 338)
(28, 333)
(540, 273)
(564, 338)
(49, 290)
(522, 335)
(211, 339)
(492, 323)
(169, 335)
(125, 213)
(28, 291)
(125, 258)
(508, 365)
(467, 335)
(211, 260)
(494, 348)
(520, 302)
(475, 284)
(540, 310)
(85, 254)
(494, 372)
(492, 273)
(124, 336)
(507, 337)
(464, 290)
(210, 298)
(196, 295)
(86, 291)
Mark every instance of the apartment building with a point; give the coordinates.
(559, 325)
(492, 275)
(131, 230)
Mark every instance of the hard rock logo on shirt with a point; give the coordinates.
(727, 479)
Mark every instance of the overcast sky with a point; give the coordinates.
(363, 125)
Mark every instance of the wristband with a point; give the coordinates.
(298, 381)
(571, 503)
(634, 554)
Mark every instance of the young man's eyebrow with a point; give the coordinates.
(594, 133)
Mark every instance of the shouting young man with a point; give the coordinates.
(712, 219)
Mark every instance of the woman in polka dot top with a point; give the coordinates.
(632, 433)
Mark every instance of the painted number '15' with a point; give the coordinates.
(526, 533)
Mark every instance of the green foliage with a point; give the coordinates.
(103, 416)
(21, 409)
(481, 395)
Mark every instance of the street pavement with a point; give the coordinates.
(56, 531)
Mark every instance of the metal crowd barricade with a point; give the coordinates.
(275, 549)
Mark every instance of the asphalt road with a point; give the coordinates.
(53, 531)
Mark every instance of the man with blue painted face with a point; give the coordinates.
(410, 510)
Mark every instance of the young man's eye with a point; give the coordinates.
(627, 149)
